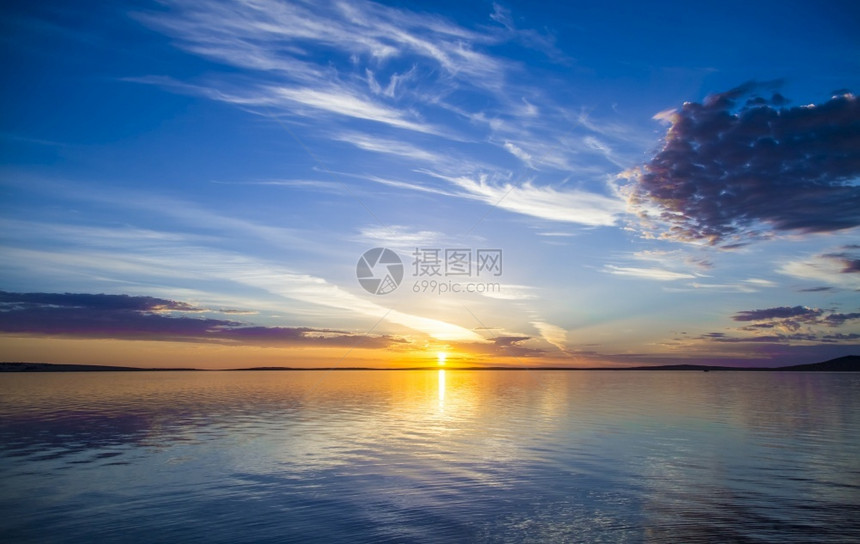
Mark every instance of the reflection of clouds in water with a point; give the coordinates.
(423, 455)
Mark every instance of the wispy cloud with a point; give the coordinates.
(409, 186)
(398, 148)
(344, 64)
(677, 257)
(275, 39)
(657, 274)
(760, 282)
(187, 256)
(340, 101)
(519, 153)
(837, 267)
(195, 263)
(543, 202)
(511, 291)
(299, 184)
(400, 236)
(553, 334)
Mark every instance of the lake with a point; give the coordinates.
(430, 456)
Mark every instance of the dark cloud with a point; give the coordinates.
(772, 339)
(727, 170)
(143, 318)
(836, 320)
(781, 312)
(816, 289)
(842, 336)
(758, 326)
(792, 317)
(851, 266)
(102, 302)
(783, 324)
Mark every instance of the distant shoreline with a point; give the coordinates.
(849, 363)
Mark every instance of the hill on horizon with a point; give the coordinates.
(848, 363)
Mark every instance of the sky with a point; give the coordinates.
(557, 184)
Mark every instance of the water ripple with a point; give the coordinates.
(389, 457)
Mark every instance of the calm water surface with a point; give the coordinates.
(430, 456)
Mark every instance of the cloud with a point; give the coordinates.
(394, 82)
(675, 256)
(647, 273)
(842, 336)
(760, 282)
(344, 102)
(331, 68)
(101, 316)
(408, 186)
(836, 320)
(334, 99)
(14, 301)
(501, 346)
(510, 291)
(519, 153)
(850, 262)
(243, 33)
(695, 286)
(277, 40)
(118, 254)
(787, 324)
(553, 334)
(838, 267)
(389, 147)
(570, 206)
(771, 339)
(751, 285)
(298, 184)
(400, 236)
(732, 170)
(782, 312)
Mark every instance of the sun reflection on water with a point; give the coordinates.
(441, 389)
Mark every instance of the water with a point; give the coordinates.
(428, 456)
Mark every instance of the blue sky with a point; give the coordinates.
(667, 182)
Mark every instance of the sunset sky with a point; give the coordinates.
(193, 183)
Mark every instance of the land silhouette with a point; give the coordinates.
(848, 363)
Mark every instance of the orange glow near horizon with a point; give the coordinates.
(206, 356)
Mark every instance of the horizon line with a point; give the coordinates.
(22, 366)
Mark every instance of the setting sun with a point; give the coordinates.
(441, 356)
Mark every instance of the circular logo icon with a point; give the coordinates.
(379, 271)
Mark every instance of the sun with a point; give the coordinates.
(441, 356)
